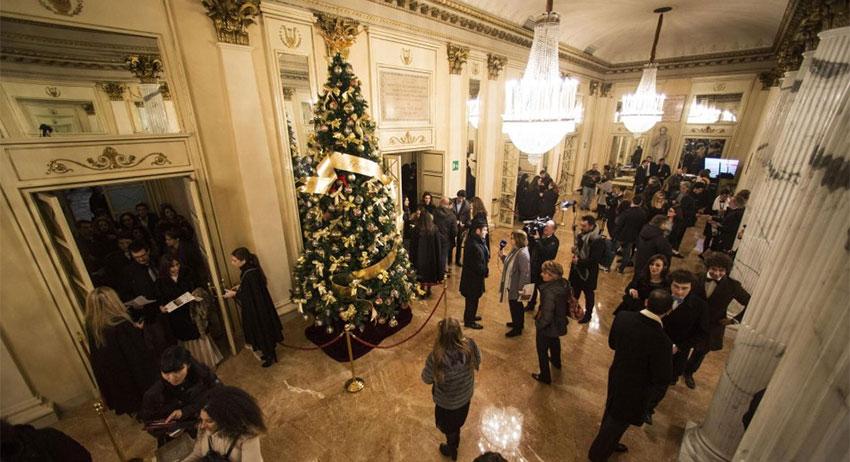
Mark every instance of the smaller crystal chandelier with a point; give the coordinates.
(644, 108)
(541, 107)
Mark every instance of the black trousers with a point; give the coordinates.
(656, 394)
(694, 361)
(610, 432)
(517, 314)
(458, 245)
(470, 310)
(677, 234)
(547, 347)
(449, 421)
(589, 298)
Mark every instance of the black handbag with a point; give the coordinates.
(213, 456)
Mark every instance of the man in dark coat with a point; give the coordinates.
(542, 248)
(651, 241)
(474, 272)
(461, 210)
(140, 280)
(686, 214)
(727, 228)
(446, 223)
(642, 174)
(718, 290)
(551, 320)
(588, 254)
(627, 228)
(642, 361)
(116, 263)
(661, 170)
(146, 218)
(687, 327)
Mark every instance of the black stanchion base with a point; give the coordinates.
(374, 334)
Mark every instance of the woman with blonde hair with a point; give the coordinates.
(123, 366)
(657, 205)
(515, 275)
(450, 370)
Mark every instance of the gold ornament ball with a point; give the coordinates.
(393, 322)
(330, 329)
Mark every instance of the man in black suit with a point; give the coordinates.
(140, 277)
(542, 248)
(687, 326)
(588, 254)
(460, 207)
(474, 272)
(718, 290)
(661, 170)
(686, 214)
(116, 263)
(628, 227)
(642, 361)
(146, 218)
(727, 227)
(642, 174)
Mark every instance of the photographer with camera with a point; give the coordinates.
(543, 245)
(588, 254)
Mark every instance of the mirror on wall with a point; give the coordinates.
(473, 118)
(298, 108)
(624, 150)
(60, 80)
(715, 108)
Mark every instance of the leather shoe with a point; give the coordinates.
(444, 449)
(540, 379)
(513, 333)
(620, 447)
(268, 362)
(647, 419)
(478, 318)
(474, 325)
(586, 319)
(689, 381)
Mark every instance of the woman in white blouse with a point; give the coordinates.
(230, 427)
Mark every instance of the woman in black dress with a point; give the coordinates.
(175, 280)
(479, 214)
(654, 276)
(425, 251)
(123, 366)
(260, 321)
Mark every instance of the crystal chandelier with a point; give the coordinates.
(541, 107)
(644, 108)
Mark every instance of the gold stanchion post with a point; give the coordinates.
(98, 407)
(445, 302)
(354, 384)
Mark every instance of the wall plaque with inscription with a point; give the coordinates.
(673, 106)
(405, 96)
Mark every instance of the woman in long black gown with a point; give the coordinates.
(175, 280)
(123, 366)
(425, 251)
(260, 322)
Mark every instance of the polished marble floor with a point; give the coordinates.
(311, 418)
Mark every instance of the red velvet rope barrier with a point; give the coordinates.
(315, 347)
(443, 294)
(431, 284)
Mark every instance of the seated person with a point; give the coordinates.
(179, 396)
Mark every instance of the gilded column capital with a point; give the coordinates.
(145, 67)
(605, 89)
(810, 17)
(457, 58)
(164, 90)
(594, 87)
(288, 93)
(115, 90)
(494, 65)
(231, 18)
(339, 33)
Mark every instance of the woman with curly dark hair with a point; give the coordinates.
(231, 423)
(653, 276)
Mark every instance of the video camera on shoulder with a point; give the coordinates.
(535, 226)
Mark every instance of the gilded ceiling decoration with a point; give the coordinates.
(231, 18)
(339, 33)
(63, 7)
(145, 67)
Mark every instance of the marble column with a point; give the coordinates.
(154, 108)
(490, 154)
(456, 180)
(803, 213)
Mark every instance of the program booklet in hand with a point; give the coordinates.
(180, 301)
(138, 302)
(526, 293)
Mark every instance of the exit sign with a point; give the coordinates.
(455, 165)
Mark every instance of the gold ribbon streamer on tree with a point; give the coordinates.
(345, 284)
(321, 183)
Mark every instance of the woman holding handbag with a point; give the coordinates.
(231, 423)
(515, 275)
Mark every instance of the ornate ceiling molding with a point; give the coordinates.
(231, 18)
(457, 58)
(110, 159)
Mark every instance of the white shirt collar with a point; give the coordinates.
(651, 315)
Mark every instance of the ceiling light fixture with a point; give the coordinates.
(644, 108)
(541, 107)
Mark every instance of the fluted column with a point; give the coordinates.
(801, 266)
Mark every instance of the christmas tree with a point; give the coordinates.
(353, 269)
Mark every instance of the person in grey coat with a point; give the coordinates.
(551, 319)
(515, 276)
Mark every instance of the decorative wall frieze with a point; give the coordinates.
(495, 64)
(290, 37)
(708, 129)
(339, 33)
(115, 90)
(55, 92)
(457, 58)
(145, 67)
(110, 159)
(802, 26)
(63, 7)
(406, 58)
(231, 18)
(407, 139)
